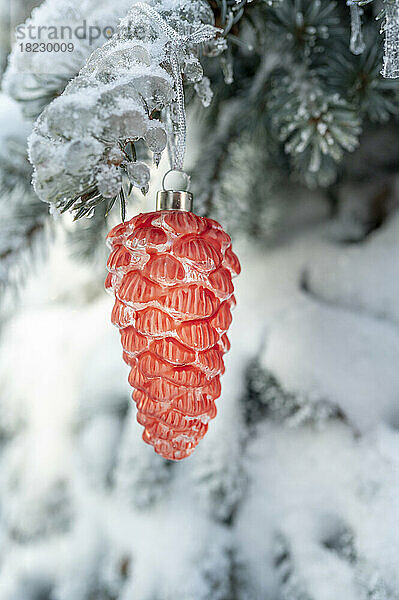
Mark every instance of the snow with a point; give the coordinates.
(311, 507)
(46, 25)
(312, 349)
(98, 460)
(11, 122)
(112, 100)
(356, 276)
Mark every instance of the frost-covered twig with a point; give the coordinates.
(315, 127)
(83, 145)
(24, 220)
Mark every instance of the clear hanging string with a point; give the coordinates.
(177, 42)
(357, 44)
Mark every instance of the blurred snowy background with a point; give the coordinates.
(294, 492)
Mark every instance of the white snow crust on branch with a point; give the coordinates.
(34, 78)
(78, 145)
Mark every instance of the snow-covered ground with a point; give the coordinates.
(301, 508)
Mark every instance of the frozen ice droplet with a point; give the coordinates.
(227, 68)
(140, 54)
(204, 91)
(357, 44)
(138, 173)
(156, 137)
(67, 117)
(125, 123)
(82, 155)
(109, 181)
(193, 69)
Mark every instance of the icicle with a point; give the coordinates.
(357, 44)
(391, 45)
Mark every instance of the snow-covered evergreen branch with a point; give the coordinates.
(34, 79)
(83, 146)
(23, 216)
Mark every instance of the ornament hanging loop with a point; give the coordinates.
(177, 196)
(179, 180)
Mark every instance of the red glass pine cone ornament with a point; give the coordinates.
(171, 272)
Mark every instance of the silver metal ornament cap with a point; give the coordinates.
(174, 200)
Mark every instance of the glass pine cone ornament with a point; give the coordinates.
(171, 272)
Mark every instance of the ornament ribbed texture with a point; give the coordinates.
(171, 273)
